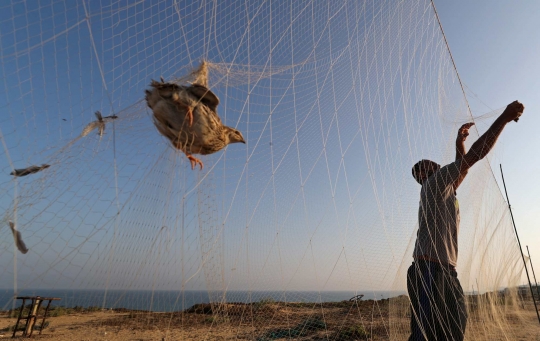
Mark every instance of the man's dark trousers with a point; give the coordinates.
(438, 306)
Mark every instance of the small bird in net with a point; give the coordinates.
(18, 239)
(29, 170)
(99, 124)
(187, 116)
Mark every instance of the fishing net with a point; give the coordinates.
(306, 232)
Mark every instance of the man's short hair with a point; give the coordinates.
(417, 167)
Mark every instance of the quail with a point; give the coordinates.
(186, 115)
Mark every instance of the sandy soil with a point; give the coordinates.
(262, 322)
(365, 320)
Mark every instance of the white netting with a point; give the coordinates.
(336, 100)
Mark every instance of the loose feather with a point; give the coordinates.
(18, 239)
(98, 124)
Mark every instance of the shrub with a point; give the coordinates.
(354, 332)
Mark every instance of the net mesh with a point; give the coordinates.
(271, 240)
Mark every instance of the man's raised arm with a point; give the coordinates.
(485, 143)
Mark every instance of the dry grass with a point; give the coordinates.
(262, 321)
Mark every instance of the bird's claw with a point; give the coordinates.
(194, 161)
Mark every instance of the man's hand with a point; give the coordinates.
(463, 132)
(485, 143)
(513, 111)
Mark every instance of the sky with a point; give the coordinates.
(495, 45)
(60, 65)
(333, 98)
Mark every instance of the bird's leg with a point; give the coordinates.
(189, 112)
(194, 161)
(190, 115)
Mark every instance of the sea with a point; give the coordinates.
(170, 301)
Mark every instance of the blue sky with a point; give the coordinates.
(496, 45)
(337, 100)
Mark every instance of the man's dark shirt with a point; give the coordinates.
(438, 217)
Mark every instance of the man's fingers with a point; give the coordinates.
(517, 105)
(515, 109)
(464, 130)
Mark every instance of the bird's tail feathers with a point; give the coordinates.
(201, 74)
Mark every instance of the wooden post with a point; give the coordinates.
(18, 318)
(29, 317)
(35, 314)
(44, 317)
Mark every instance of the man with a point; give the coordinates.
(437, 302)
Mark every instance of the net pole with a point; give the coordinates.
(16, 201)
(519, 243)
(534, 276)
(15, 205)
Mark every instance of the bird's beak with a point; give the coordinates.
(244, 142)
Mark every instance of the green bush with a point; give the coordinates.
(312, 324)
(302, 329)
(57, 311)
(354, 332)
(265, 301)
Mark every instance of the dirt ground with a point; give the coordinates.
(265, 321)
(262, 322)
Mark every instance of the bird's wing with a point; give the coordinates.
(205, 95)
(98, 115)
(107, 119)
(89, 127)
(206, 120)
(175, 137)
(210, 101)
(18, 238)
(215, 119)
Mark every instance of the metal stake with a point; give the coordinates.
(534, 276)
(520, 249)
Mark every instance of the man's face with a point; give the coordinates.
(427, 168)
